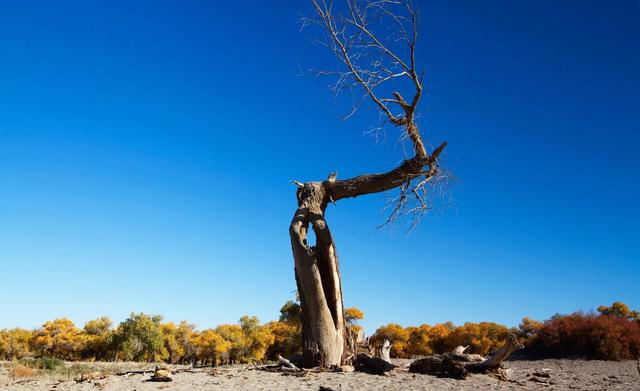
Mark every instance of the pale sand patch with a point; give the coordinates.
(565, 375)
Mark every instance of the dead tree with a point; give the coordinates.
(370, 64)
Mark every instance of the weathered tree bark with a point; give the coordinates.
(325, 338)
(324, 334)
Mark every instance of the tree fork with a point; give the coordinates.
(325, 340)
(324, 334)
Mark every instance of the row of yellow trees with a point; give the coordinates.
(147, 338)
(425, 339)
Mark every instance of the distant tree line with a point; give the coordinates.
(611, 334)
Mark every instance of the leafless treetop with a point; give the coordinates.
(375, 44)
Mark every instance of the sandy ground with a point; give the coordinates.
(565, 375)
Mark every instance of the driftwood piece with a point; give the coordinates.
(127, 373)
(385, 351)
(283, 366)
(457, 364)
(283, 362)
(459, 354)
(372, 365)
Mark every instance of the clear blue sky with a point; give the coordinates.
(146, 150)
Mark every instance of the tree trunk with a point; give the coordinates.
(324, 333)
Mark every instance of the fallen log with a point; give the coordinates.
(371, 365)
(457, 364)
(441, 365)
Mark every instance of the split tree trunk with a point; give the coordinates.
(324, 334)
(325, 339)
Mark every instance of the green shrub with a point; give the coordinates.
(46, 363)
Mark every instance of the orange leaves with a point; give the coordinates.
(287, 339)
(528, 331)
(619, 310)
(59, 338)
(210, 346)
(396, 334)
(258, 338)
(424, 340)
(419, 343)
(14, 343)
(481, 337)
(604, 337)
(353, 314)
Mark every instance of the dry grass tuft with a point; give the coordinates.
(21, 371)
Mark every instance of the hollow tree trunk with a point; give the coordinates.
(324, 333)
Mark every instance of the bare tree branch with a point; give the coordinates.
(369, 62)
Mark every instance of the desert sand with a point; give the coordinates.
(563, 375)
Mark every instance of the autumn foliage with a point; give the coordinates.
(143, 337)
(481, 338)
(611, 334)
